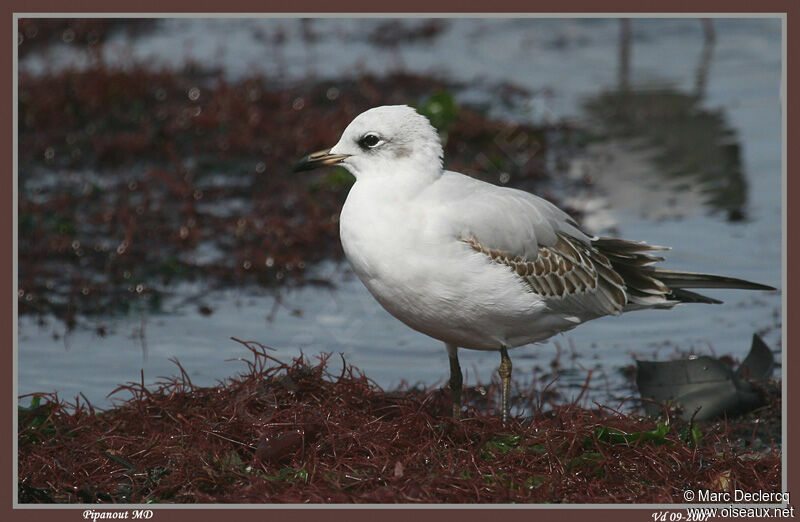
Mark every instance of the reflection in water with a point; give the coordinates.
(689, 148)
(624, 53)
(705, 58)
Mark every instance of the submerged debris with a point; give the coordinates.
(706, 388)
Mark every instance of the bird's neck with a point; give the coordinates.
(401, 181)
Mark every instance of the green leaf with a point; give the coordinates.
(231, 461)
(590, 460)
(692, 435)
(500, 446)
(339, 177)
(33, 420)
(289, 475)
(441, 109)
(615, 436)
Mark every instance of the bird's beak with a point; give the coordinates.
(319, 159)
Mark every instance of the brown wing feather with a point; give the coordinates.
(617, 272)
(565, 269)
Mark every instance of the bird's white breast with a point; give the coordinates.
(417, 268)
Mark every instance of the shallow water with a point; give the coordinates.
(568, 62)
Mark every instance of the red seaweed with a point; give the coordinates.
(294, 433)
(128, 175)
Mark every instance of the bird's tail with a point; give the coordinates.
(650, 286)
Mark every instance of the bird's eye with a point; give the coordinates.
(369, 141)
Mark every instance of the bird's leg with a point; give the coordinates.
(456, 379)
(505, 379)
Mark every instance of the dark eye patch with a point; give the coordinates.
(368, 141)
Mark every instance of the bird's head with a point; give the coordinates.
(382, 141)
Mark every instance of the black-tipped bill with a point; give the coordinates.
(318, 159)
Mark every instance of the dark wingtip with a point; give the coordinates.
(685, 296)
(749, 285)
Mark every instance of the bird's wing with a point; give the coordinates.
(503, 218)
(539, 241)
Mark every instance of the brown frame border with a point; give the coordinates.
(356, 6)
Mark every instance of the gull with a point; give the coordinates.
(479, 266)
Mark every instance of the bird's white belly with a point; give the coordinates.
(441, 287)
